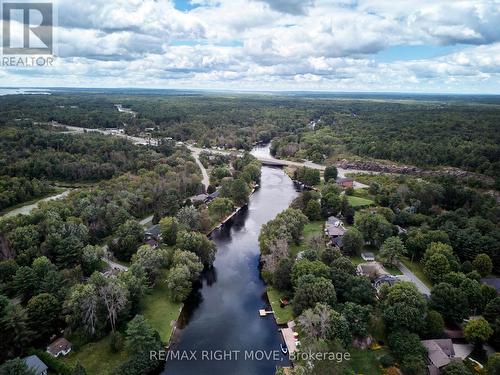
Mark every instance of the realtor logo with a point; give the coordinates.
(27, 28)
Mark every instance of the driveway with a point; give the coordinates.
(424, 289)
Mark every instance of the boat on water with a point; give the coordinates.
(284, 349)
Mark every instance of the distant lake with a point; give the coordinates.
(12, 91)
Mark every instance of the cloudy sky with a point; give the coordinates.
(345, 45)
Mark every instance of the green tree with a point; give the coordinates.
(189, 259)
(151, 260)
(220, 208)
(169, 227)
(311, 290)
(392, 251)
(404, 344)
(331, 204)
(493, 365)
(78, 369)
(456, 368)
(353, 242)
(413, 365)
(127, 240)
(330, 173)
(477, 331)
(281, 276)
(404, 307)
(358, 318)
(140, 336)
(472, 291)
(375, 227)
(357, 289)
(15, 366)
(189, 218)
(339, 329)
(179, 282)
(15, 330)
(91, 259)
(483, 264)
(24, 282)
(450, 302)
(43, 314)
(306, 267)
(313, 210)
(436, 267)
(84, 308)
(492, 310)
(239, 192)
(434, 324)
(198, 244)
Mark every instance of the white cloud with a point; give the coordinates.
(271, 44)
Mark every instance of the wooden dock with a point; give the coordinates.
(263, 312)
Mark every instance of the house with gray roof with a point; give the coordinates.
(36, 365)
(440, 352)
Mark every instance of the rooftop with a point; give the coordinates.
(60, 345)
(34, 363)
(153, 230)
(439, 351)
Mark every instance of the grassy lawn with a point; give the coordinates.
(282, 315)
(97, 357)
(359, 202)
(310, 229)
(418, 270)
(366, 362)
(159, 310)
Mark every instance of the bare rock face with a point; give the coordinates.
(5, 250)
(377, 166)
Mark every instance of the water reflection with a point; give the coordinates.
(222, 314)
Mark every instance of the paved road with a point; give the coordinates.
(111, 263)
(146, 221)
(269, 160)
(424, 289)
(196, 154)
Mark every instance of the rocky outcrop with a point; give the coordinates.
(378, 166)
(5, 250)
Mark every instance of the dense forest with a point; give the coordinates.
(427, 132)
(33, 152)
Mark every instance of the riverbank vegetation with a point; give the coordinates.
(420, 223)
(51, 267)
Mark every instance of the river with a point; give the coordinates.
(223, 314)
(26, 209)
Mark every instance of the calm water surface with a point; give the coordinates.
(224, 313)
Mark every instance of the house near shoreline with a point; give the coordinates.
(59, 346)
(205, 198)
